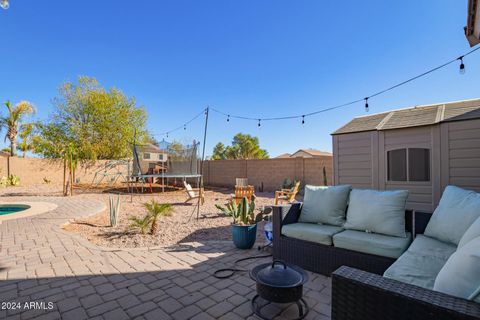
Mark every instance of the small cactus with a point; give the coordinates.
(325, 181)
(114, 210)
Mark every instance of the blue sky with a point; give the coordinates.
(254, 58)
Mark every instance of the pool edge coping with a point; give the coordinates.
(36, 208)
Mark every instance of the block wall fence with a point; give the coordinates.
(219, 173)
(269, 172)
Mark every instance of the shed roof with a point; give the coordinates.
(414, 117)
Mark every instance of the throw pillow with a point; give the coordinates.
(460, 276)
(325, 204)
(456, 212)
(377, 211)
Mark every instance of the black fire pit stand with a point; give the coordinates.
(279, 282)
(257, 308)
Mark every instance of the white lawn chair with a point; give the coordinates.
(192, 195)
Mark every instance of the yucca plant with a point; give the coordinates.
(114, 210)
(243, 213)
(155, 211)
(141, 224)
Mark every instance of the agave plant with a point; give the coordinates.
(155, 211)
(140, 223)
(242, 213)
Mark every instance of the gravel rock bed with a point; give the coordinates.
(181, 227)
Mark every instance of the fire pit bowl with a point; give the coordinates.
(279, 282)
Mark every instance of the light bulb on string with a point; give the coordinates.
(184, 127)
(4, 4)
(303, 120)
(366, 105)
(259, 123)
(167, 135)
(462, 66)
(228, 118)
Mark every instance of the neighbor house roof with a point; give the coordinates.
(312, 152)
(414, 117)
(284, 155)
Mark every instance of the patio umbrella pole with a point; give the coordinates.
(203, 159)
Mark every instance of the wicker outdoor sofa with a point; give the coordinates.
(359, 291)
(360, 295)
(325, 259)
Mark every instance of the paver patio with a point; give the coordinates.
(40, 262)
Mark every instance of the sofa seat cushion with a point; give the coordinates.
(372, 243)
(319, 233)
(422, 262)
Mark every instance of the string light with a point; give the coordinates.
(462, 66)
(4, 4)
(461, 69)
(184, 127)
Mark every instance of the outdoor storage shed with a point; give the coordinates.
(420, 149)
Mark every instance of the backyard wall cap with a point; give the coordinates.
(35, 209)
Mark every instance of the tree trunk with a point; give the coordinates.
(154, 227)
(71, 182)
(13, 147)
(64, 177)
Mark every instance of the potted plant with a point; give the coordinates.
(244, 226)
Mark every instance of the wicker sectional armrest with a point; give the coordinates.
(358, 295)
(285, 214)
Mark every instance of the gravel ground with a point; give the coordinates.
(182, 226)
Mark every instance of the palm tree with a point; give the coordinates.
(140, 223)
(155, 211)
(28, 138)
(13, 120)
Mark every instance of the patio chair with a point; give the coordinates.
(241, 182)
(243, 191)
(194, 193)
(287, 194)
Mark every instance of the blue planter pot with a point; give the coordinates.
(244, 236)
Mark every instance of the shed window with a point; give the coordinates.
(146, 156)
(397, 165)
(418, 164)
(409, 164)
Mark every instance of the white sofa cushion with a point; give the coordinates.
(456, 212)
(460, 276)
(472, 232)
(377, 211)
(421, 263)
(325, 204)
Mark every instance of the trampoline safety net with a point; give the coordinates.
(168, 159)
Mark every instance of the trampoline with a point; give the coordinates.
(171, 161)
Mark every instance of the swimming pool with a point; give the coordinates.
(12, 208)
